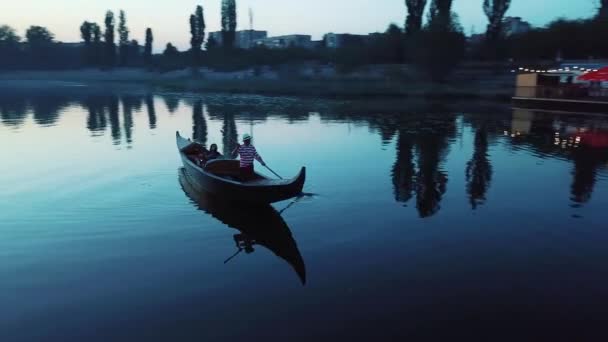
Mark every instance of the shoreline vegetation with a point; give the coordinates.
(362, 85)
(427, 57)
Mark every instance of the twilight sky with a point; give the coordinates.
(169, 19)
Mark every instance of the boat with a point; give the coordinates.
(221, 177)
(258, 224)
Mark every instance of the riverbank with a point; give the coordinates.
(270, 84)
(338, 89)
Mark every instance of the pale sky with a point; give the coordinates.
(169, 19)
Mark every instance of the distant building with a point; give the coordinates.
(243, 39)
(515, 25)
(283, 42)
(338, 40)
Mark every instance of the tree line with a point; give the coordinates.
(40, 50)
(436, 44)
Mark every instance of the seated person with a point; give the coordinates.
(213, 153)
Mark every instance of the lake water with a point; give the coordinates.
(421, 221)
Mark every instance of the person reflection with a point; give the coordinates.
(479, 169)
(257, 225)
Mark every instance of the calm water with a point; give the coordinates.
(421, 221)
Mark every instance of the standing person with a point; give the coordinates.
(248, 153)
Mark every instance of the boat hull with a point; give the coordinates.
(264, 191)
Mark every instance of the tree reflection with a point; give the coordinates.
(587, 162)
(422, 145)
(435, 131)
(112, 104)
(172, 103)
(227, 114)
(13, 110)
(479, 169)
(151, 111)
(46, 109)
(96, 119)
(229, 133)
(404, 169)
(199, 124)
(431, 183)
(128, 104)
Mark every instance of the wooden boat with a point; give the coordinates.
(221, 177)
(258, 224)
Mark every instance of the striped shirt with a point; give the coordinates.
(248, 154)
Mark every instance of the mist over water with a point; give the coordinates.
(471, 217)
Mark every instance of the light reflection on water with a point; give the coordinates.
(422, 211)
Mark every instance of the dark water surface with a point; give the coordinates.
(428, 221)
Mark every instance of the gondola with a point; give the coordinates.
(221, 177)
(258, 224)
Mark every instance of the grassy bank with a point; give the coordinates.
(340, 88)
(471, 86)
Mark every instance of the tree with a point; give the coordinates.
(8, 37)
(228, 23)
(170, 51)
(148, 47)
(440, 12)
(97, 47)
(603, 10)
(200, 25)
(133, 55)
(197, 32)
(171, 58)
(110, 45)
(123, 38)
(9, 47)
(38, 36)
(415, 11)
(495, 11)
(395, 44)
(440, 46)
(86, 33)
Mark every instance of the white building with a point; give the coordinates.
(283, 42)
(243, 39)
(338, 40)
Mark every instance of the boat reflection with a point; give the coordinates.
(257, 225)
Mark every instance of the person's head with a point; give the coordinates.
(247, 139)
(213, 148)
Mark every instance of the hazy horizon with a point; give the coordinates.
(169, 21)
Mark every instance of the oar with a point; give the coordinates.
(269, 169)
(298, 198)
(235, 254)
